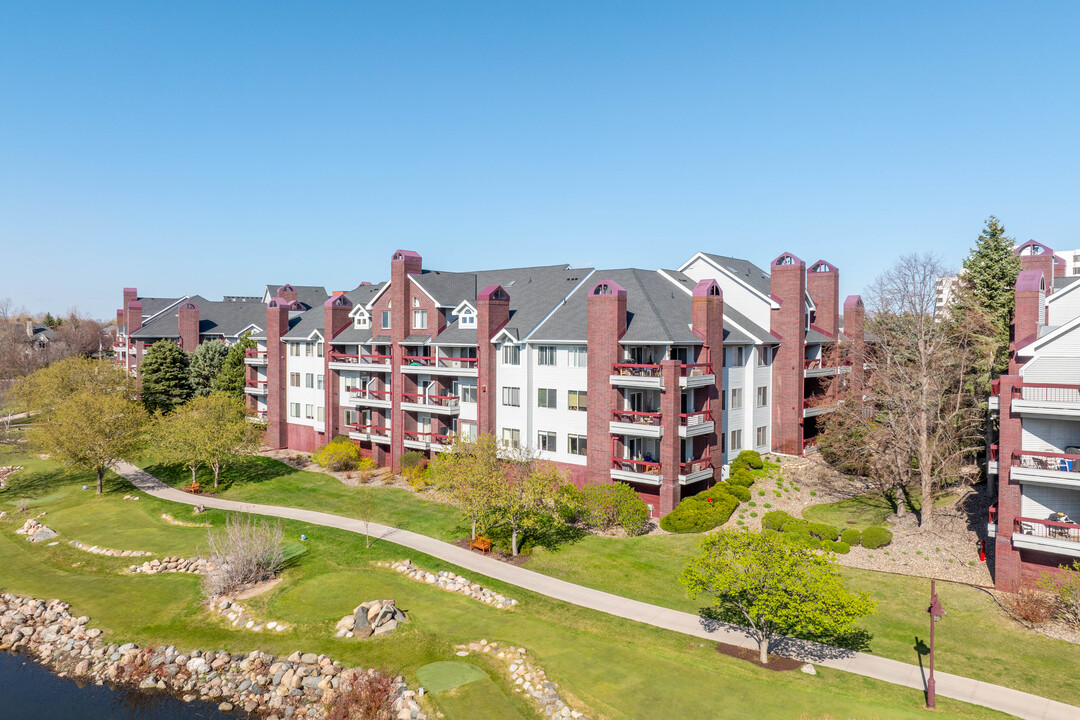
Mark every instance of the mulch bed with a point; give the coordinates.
(496, 554)
(777, 663)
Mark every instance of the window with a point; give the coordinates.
(415, 301)
(294, 349)
(362, 320)
(511, 396)
(309, 412)
(320, 413)
(350, 417)
(467, 393)
(319, 380)
(761, 436)
(579, 356)
(736, 356)
(736, 440)
(294, 379)
(762, 398)
(545, 355)
(419, 319)
(764, 356)
(545, 398)
(546, 441)
(511, 437)
(319, 349)
(468, 318)
(577, 444)
(467, 431)
(309, 349)
(723, 443)
(577, 400)
(511, 354)
(309, 380)
(294, 410)
(736, 399)
(386, 319)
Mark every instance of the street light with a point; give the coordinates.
(936, 613)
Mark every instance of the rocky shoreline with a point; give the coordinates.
(299, 686)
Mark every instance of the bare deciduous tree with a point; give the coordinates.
(245, 552)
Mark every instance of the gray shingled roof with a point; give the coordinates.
(813, 336)
(303, 324)
(353, 335)
(1065, 281)
(362, 294)
(746, 271)
(455, 334)
(757, 334)
(227, 319)
(311, 295)
(152, 306)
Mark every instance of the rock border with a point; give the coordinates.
(238, 617)
(374, 617)
(451, 582)
(97, 550)
(529, 679)
(194, 566)
(180, 523)
(35, 531)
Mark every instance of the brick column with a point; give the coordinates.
(287, 293)
(707, 322)
(823, 285)
(1037, 256)
(788, 286)
(188, 323)
(277, 411)
(855, 330)
(133, 321)
(670, 408)
(1007, 564)
(606, 323)
(1027, 316)
(335, 319)
(402, 264)
(492, 313)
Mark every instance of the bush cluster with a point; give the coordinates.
(603, 507)
(876, 537)
(851, 536)
(339, 454)
(701, 512)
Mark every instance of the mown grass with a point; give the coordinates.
(613, 668)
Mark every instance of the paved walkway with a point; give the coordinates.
(1014, 702)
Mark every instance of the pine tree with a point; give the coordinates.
(166, 377)
(206, 364)
(990, 273)
(231, 378)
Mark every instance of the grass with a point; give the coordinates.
(864, 511)
(442, 676)
(605, 665)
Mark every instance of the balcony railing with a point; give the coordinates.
(992, 515)
(258, 384)
(255, 353)
(1039, 392)
(432, 361)
(359, 359)
(637, 418)
(636, 369)
(365, 394)
(1032, 460)
(447, 401)
(418, 360)
(646, 467)
(695, 369)
(429, 437)
(695, 418)
(1050, 529)
(694, 466)
(993, 453)
(371, 429)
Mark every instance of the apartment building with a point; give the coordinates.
(1069, 260)
(1035, 458)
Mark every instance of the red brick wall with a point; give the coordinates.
(788, 286)
(436, 322)
(303, 438)
(707, 312)
(491, 316)
(277, 324)
(824, 289)
(606, 324)
(1007, 565)
(670, 408)
(402, 264)
(855, 330)
(188, 323)
(335, 319)
(1025, 324)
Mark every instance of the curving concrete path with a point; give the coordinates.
(1014, 702)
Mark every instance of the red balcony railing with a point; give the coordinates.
(646, 467)
(364, 394)
(1047, 529)
(418, 360)
(371, 429)
(254, 383)
(1041, 392)
(344, 357)
(695, 418)
(694, 466)
(992, 515)
(359, 359)
(433, 400)
(636, 369)
(1043, 460)
(696, 369)
(376, 359)
(993, 452)
(429, 437)
(255, 353)
(637, 418)
(457, 362)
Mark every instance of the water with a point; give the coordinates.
(30, 691)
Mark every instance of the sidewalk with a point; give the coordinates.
(1014, 702)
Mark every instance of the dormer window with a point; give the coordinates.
(467, 318)
(362, 321)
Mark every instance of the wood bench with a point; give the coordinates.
(192, 488)
(482, 544)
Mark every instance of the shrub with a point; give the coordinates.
(876, 537)
(412, 458)
(615, 505)
(417, 477)
(1030, 606)
(697, 514)
(851, 536)
(741, 476)
(1066, 590)
(838, 547)
(750, 458)
(245, 552)
(569, 504)
(774, 520)
(739, 492)
(796, 525)
(823, 531)
(364, 696)
(338, 454)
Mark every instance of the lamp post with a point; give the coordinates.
(936, 613)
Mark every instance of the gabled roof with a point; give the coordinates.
(303, 324)
(362, 294)
(745, 331)
(745, 270)
(1040, 343)
(227, 319)
(152, 306)
(353, 335)
(311, 295)
(814, 336)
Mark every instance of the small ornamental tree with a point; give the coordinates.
(166, 378)
(206, 364)
(230, 378)
(529, 488)
(469, 474)
(773, 586)
(211, 431)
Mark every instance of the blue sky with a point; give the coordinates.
(214, 147)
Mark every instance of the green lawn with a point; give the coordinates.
(612, 668)
(865, 510)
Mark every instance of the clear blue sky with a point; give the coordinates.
(211, 148)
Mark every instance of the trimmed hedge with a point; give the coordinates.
(840, 548)
(697, 514)
(851, 536)
(750, 458)
(876, 537)
(823, 531)
(774, 520)
(339, 454)
(737, 491)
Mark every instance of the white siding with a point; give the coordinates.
(1037, 502)
(304, 395)
(748, 302)
(560, 420)
(1064, 306)
(1049, 434)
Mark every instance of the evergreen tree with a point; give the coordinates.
(231, 378)
(49, 321)
(990, 273)
(206, 364)
(166, 377)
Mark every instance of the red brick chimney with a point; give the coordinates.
(188, 321)
(1037, 256)
(788, 286)
(402, 264)
(287, 293)
(855, 330)
(823, 284)
(1028, 314)
(277, 325)
(606, 324)
(492, 313)
(335, 319)
(707, 313)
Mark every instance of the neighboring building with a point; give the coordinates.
(651, 377)
(1069, 261)
(946, 287)
(1035, 525)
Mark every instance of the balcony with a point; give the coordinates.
(369, 433)
(438, 404)
(697, 375)
(695, 471)
(1062, 538)
(639, 471)
(255, 387)
(369, 398)
(818, 368)
(695, 423)
(636, 375)
(636, 424)
(421, 440)
(435, 365)
(369, 363)
(818, 405)
(992, 460)
(991, 524)
(255, 357)
(1044, 468)
(1047, 400)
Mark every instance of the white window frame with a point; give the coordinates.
(512, 437)
(761, 436)
(577, 445)
(547, 355)
(573, 400)
(761, 396)
(547, 441)
(735, 401)
(511, 396)
(736, 440)
(419, 319)
(386, 319)
(511, 354)
(547, 398)
(578, 356)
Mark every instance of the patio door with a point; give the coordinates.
(637, 401)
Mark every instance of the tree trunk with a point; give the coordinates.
(513, 541)
(901, 499)
(473, 529)
(217, 472)
(100, 479)
(763, 651)
(194, 469)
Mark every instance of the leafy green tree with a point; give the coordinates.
(528, 489)
(211, 430)
(469, 474)
(49, 387)
(773, 586)
(206, 364)
(230, 379)
(990, 272)
(166, 377)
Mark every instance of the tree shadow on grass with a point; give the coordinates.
(545, 532)
(250, 470)
(808, 648)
